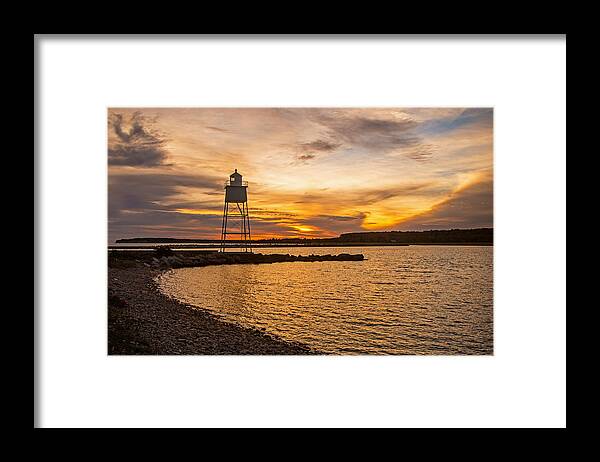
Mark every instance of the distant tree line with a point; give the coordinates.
(162, 240)
(446, 236)
(480, 235)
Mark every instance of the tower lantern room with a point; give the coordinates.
(235, 179)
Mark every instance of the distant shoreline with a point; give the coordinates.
(191, 245)
(472, 236)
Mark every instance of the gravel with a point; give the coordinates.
(143, 321)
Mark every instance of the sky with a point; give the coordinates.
(312, 172)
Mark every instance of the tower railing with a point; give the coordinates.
(230, 183)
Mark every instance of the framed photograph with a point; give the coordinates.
(360, 231)
(317, 231)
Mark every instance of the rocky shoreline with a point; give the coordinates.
(143, 321)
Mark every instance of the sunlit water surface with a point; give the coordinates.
(400, 300)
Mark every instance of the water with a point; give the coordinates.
(400, 300)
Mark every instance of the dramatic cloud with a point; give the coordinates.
(137, 145)
(378, 134)
(309, 150)
(137, 199)
(471, 207)
(320, 145)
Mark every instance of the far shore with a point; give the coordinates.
(182, 246)
(471, 236)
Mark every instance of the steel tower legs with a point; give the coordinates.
(236, 217)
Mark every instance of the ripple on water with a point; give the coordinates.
(400, 300)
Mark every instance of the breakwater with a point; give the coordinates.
(166, 258)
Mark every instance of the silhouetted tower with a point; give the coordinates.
(235, 213)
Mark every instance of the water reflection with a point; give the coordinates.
(400, 300)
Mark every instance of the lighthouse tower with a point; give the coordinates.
(236, 221)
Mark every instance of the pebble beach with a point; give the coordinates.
(144, 321)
